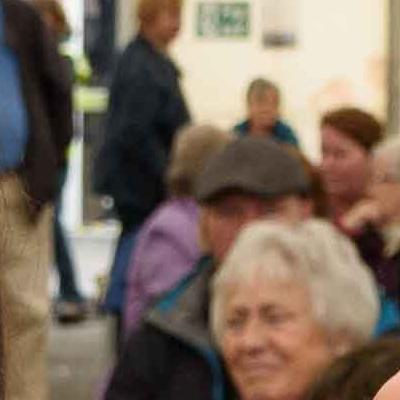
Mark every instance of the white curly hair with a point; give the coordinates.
(343, 293)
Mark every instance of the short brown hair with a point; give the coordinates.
(56, 11)
(192, 149)
(358, 125)
(148, 9)
(360, 374)
(260, 85)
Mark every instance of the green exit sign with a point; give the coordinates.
(223, 19)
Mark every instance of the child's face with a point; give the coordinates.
(263, 108)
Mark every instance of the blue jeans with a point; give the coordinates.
(68, 290)
(115, 296)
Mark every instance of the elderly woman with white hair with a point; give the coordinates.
(285, 303)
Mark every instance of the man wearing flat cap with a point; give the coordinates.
(171, 356)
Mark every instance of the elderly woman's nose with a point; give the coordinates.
(252, 339)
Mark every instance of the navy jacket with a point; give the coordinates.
(171, 357)
(146, 108)
(281, 132)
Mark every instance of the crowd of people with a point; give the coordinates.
(242, 270)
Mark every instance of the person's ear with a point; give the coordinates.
(307, 209)
(342, 344)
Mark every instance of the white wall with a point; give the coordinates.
(72, 192)
(340, 59)
(125, 21)
(74, 10)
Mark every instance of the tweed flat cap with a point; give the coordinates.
(252, 165)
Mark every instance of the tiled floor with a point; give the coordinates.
(80, 354)
(92, 250)
(79, 358)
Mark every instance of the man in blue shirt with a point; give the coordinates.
(35, 127)
(13, 118)
(263, 100)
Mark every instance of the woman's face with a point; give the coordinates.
(345, 167)
(272, 345)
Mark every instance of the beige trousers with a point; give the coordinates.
(24, 261)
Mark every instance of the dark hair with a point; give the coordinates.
(360, 374)
(259, 86)
(55, 9)
(356, 124)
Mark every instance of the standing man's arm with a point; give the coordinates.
(133, 120)
(56, 84)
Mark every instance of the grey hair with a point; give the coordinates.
(389, 150)
(260, 85)
(343, 293)
(192, 149)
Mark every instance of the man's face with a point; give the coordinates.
(225, 217)
(263, 109)
(166, 25)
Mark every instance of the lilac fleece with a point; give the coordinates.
(166, 250)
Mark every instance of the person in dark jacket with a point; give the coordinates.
(35, 126)
(263, 101)
(146, 109)
(172, 355)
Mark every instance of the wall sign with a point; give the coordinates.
(223, 19)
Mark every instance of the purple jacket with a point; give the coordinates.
(165, 251)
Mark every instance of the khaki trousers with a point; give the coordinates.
(24, 261)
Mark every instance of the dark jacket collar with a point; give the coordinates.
(183, 312)
(161, 56)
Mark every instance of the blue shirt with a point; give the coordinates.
(281, 132)
(13, 113)
(389, 317)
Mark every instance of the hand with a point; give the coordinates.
(367, 211)
(387, 196)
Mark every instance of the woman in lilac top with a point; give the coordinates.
(167, 245)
